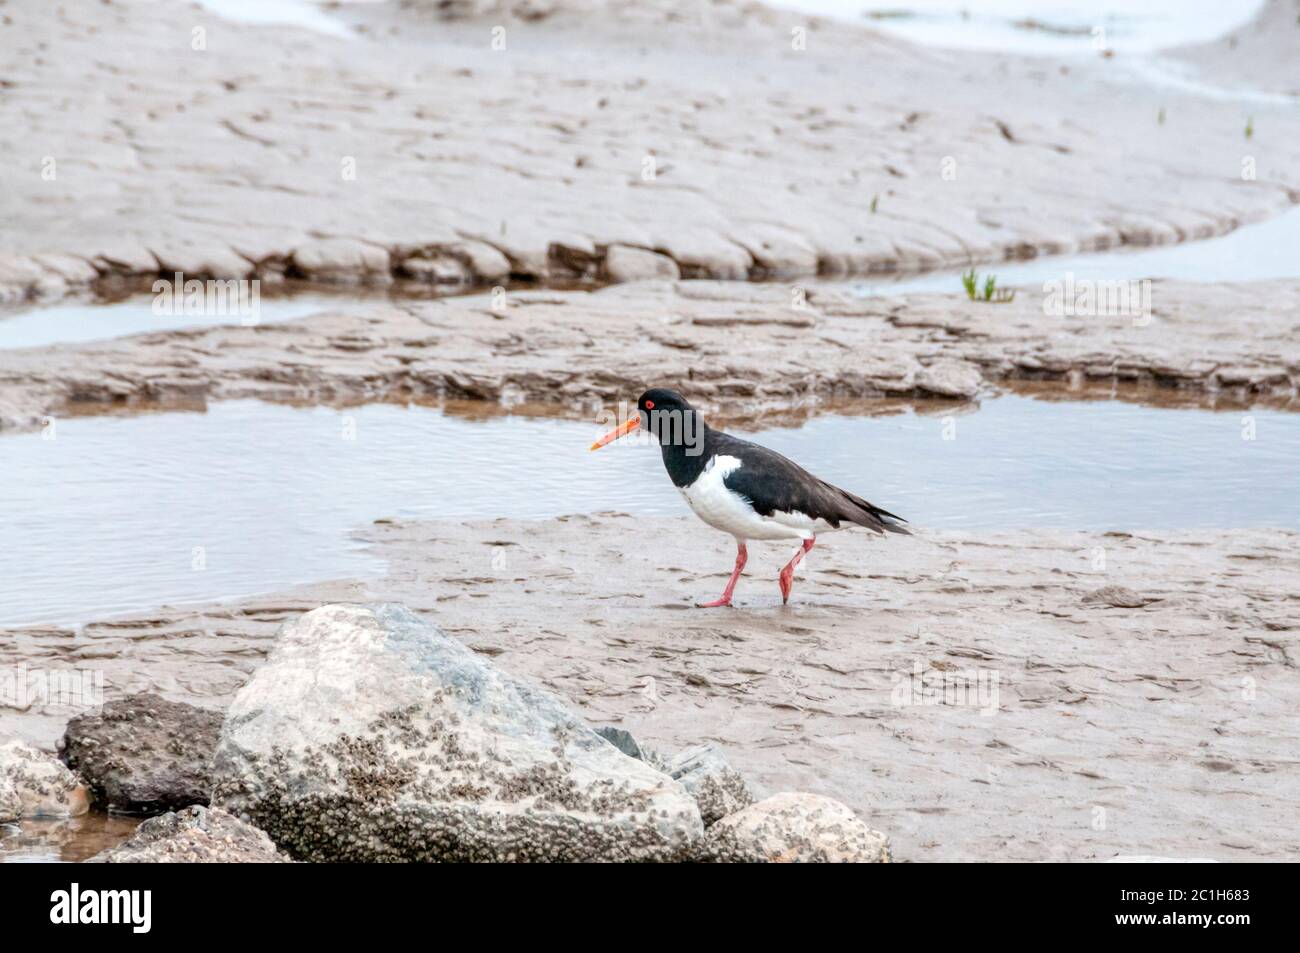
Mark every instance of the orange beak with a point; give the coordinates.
(622, 430)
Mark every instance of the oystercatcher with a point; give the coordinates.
(744, 489)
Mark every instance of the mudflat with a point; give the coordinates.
(1010, 696)
(616, 138)
(704, 174)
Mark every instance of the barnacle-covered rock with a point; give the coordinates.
(794, 828)
(622, 739)
(195, 835)
(11, 805)
(717, 788)
(143, 754)
(702, 769)
(35, 784)
(369, 734)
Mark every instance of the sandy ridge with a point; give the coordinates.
(733, 347)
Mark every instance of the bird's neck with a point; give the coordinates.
(686, 454)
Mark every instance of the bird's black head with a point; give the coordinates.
(663, 399)
(668, 417)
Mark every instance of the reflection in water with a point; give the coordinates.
(1035, 27)
(1041, 27)
(124, 513)
(1256, 252)
(1184, 78)
(78, 322)
(123, 311)
(68, 840)
(299, 13)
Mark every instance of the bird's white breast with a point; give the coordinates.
(724, 509)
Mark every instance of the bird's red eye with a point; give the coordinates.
(649, 405)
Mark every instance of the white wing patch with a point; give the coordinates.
(729, 511)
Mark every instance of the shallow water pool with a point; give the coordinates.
(124, 513)
(66, 840)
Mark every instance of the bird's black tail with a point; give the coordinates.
(873, 517)
(887, 521)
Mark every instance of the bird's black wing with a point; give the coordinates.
(773, 483)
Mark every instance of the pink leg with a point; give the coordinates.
(742, 555)
(787, 574)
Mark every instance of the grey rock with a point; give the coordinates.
(794, 828)
(35, 784)
(195, 835)
(144, 754)
(369, 734)
(717, 788)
